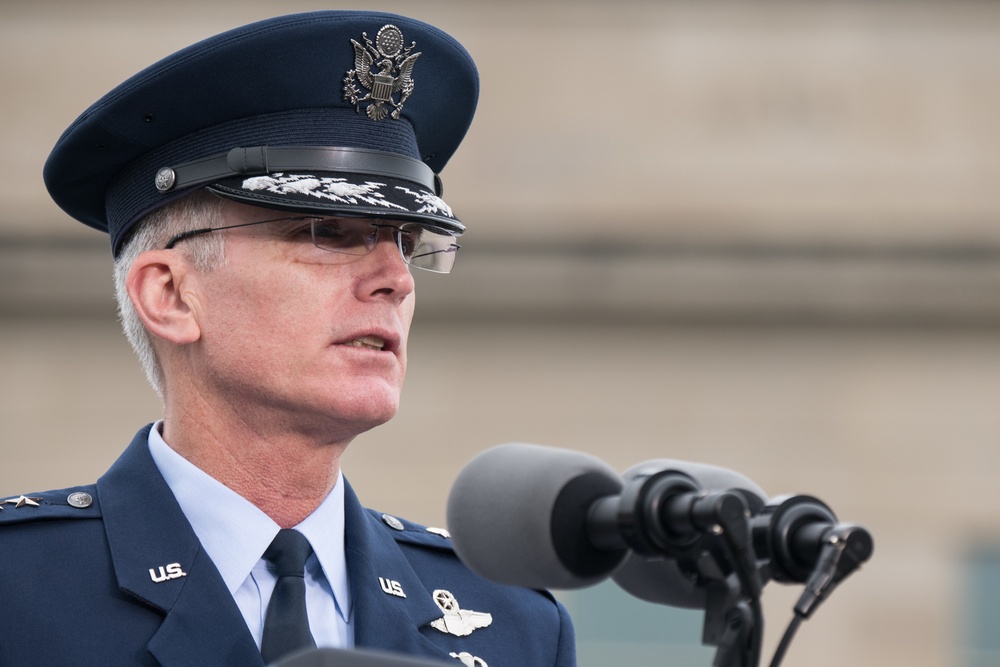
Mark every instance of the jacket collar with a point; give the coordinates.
(147, 531)
(385, 621)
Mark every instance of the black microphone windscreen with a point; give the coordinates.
(517, 515)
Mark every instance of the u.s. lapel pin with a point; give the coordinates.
(391, 587)
(166, 573)
(457, 621)
(21, 501)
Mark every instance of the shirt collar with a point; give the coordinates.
(235, 532)
(325, 530)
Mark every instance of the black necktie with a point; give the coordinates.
(286, 626)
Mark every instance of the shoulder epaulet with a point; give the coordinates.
(78, 502)
(413, 533)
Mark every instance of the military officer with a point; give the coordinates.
(267, 193)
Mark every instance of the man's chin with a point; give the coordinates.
(367, 413)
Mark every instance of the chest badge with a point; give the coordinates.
(457, 621)
(469, 660)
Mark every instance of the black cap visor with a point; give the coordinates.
(342, 194)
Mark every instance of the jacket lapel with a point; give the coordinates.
(382, 620)
(157, 559)
(147, 531)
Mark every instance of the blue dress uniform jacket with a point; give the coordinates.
(78, 586)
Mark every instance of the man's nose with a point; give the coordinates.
(390, 271)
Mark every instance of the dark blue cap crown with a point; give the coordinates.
(343, 112)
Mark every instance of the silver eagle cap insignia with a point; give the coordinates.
(384, 70)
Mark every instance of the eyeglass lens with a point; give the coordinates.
(420, 246)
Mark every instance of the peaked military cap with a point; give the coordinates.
(346, 112)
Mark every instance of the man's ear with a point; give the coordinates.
(161, 297)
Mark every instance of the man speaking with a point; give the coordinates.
(267, 193)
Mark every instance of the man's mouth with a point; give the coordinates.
(369, 342)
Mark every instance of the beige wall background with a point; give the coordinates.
(758, 234)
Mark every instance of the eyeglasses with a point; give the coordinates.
(424, 247)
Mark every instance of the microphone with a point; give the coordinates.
(550, 518)
(541, 517)
(670, 532)
(804, 543)
(661, 580)
(518, 514)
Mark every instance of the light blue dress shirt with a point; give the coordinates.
(235, 533)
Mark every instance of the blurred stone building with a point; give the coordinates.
(759, 234)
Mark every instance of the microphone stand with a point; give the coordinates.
(733, 621)
(708, 534)
(729, 627)
(801, 542)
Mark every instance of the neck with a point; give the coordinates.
(286, 474)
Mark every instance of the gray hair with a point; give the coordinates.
(207, 251)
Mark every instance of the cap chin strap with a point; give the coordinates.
(259, 160)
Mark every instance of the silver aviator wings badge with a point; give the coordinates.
(457, 621)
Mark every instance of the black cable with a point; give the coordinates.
(786, 640)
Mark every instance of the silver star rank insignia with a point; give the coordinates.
(457, 621)
(21, 501)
